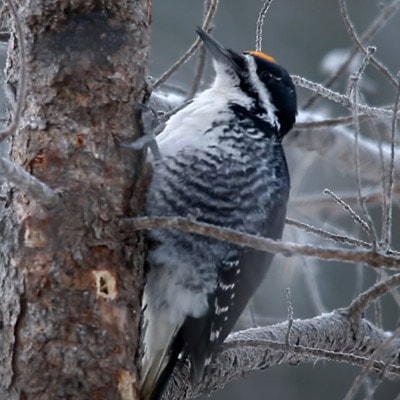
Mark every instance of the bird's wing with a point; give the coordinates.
(201, 336)
(239, 276)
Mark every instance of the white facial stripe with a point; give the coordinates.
(262, 91)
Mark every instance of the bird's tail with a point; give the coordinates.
(161, 350)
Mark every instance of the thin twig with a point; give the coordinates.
(323, 206)
(27, 183)
(288, 249)
(201, 62)
(365, 299)
(313, 287)
(377, 304)
(368, 388)
(356, 218)
(308, 271)
(260, 23)
(370, 366)
(10, 130)
(330, 122)
(387, 12)
(353, 34)
(373, 196)
(384, 183)
(253, 316)
(336, 145)
(290, 315)
(395, 293)
(358, 281)
(387, 222)
(186, 57)
(341, 99)
(357, 76)
(328, 235)
(353, 90)
(192, 49)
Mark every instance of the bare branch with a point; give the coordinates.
(10, 130)
(310, 352)
(28, 183)
(336, 144)
(359, 304)
(355, 217)
(341, 99)
(388, 193)
(353, 90)
(387, 12)
(355, 78)
(377, 304)
(192, 49)
(370, 366)
(374, 259)
(201, 61)
(290, 312)
(394, 293)
(320, 203)
(352, 32)
(330, 122)
(260, 23)
(328, 235)
(315, 338)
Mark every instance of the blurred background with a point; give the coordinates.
(309, 38)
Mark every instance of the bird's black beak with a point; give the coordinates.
(218, 52)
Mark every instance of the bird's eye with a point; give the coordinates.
(266, 77)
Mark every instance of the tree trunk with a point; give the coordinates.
(70, 282)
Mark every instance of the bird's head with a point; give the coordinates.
(266, 84)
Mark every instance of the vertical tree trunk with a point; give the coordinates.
(70, 282)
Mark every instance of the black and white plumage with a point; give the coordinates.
(222, 163)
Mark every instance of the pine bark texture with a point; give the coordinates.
(70, 282)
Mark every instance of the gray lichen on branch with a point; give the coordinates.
(320, 338)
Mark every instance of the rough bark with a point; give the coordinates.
(70, 283)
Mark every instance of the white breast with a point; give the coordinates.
(188, 126)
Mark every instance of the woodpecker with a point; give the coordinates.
(222, 163)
